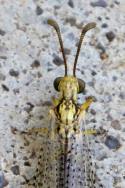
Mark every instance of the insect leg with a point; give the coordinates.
(55, 101)
(86, 105)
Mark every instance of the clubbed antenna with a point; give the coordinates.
(56, 27)
(84, 30)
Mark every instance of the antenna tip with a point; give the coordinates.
(49, 21)
(89, 26)
(93, 24)
(52, 23)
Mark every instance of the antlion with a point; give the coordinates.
(65, 160)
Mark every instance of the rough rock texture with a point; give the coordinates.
(29, 51)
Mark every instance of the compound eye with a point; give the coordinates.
(81, 85)
(56, 83)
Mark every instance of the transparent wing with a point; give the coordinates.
(50, 162)
(80, 164)
(80, 167)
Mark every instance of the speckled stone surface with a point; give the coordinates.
(30, 61)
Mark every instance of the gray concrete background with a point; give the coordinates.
(29, 62)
